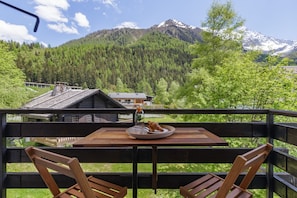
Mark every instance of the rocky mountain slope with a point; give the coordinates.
(268, 45)
(190, 34)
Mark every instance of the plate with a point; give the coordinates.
(140, 132)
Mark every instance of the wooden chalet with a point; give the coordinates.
(63, 97)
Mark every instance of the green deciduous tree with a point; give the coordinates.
(144, 86)
(120, 86)
(12, 88)
(218, 39)
(162, 96)
(219, 43)
(236, 80)
(172, 90)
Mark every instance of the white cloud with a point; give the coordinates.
(62, 4)
(81, 20)
(62, 28)
(18, 33)
(127, 24)
(53, 11)
(111, 3)
(50, 13)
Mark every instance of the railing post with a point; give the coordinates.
(270, 122)
(3, 151)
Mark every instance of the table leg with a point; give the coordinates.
(135, 177)
(155, 174)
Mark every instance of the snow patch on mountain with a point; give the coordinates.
(253, 40)
(256, 41)
(174, 22)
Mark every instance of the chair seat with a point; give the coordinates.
(85, 187)
(101, 188)
(212, 185)
(208, 186)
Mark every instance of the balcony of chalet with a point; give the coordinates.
(240, 128)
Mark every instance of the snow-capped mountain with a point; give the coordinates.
(256, 41)
(179, 30)
(252, 40)
(174, 22)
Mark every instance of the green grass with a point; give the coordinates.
(44, 193)
(28, 193)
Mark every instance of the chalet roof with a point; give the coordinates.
(127, 95)
(64, 99)
(60, 100)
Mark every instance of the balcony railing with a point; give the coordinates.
(277, 127)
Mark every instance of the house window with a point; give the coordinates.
(127, 101)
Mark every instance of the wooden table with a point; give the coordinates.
(117, 137)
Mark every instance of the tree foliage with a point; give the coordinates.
(219, 39)
(226, 77)
(162, 96)
(139, 65)
(12, 89)
(221, 74)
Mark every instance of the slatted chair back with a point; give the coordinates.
(212, 185)
(250, 163)
(69, 166)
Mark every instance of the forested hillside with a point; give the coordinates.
(152, 61)
(138, 65)
(168, 61)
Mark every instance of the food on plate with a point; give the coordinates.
(154, 126)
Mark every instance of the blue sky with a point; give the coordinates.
(64, 20)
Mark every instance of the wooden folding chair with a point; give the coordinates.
(87, 187)
(212, 185)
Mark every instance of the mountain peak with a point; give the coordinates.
(174, 22)
(253, 40)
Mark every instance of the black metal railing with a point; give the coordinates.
(277, 127)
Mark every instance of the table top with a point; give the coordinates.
(182, 136)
